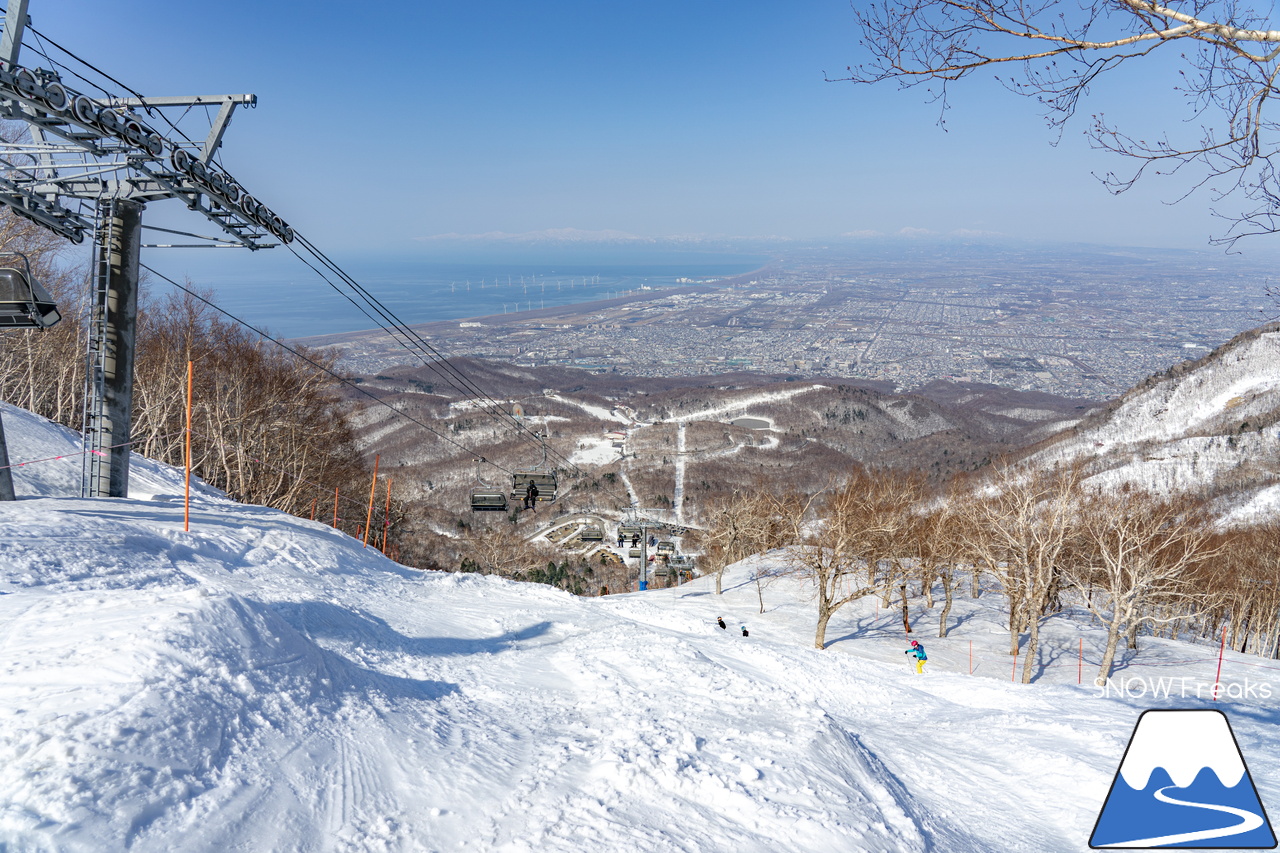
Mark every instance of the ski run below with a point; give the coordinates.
(263, 683)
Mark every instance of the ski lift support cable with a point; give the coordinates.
(492, 407)
(321, 367)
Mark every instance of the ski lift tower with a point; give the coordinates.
(95, 161)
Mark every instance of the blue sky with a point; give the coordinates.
(381, 128)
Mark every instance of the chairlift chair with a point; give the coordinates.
(592, 533)
(488, 501)
(666, 547)
(24, 304)
(544, 480)
(629, 530)
(486, 498)
(542, 477)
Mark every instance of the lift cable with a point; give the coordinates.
(404, 338)
(321, 367)
(430, 355)
(151, 111)
(416, 341)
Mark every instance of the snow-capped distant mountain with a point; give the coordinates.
(1210, 427)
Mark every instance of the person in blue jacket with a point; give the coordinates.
(917, 650)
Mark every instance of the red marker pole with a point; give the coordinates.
(1080, 664)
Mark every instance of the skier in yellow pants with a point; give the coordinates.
(917, 650)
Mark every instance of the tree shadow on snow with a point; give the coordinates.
(872, 627)
(1050, 657)
(953, 622)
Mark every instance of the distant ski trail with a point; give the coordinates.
(742, 403)
(678, 496)
(1249, 821)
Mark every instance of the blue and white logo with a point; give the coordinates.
(1183, 783)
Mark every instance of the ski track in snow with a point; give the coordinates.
(264, 683)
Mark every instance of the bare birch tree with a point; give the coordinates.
(1224, 57)
(853, 543)
(752, 522)
(1022, 532)
(1141, 553)
(937, 550)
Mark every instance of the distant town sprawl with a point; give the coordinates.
(1081, 325)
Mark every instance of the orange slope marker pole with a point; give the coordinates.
(186, 495)
(373, 487)
(335, 506)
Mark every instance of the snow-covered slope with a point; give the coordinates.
(264, 683)
(1211, 426)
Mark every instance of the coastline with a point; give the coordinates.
(538, 314)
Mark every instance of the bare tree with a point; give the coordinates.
(1225, 59)
(937, 550)
(856, 542)
(752, 522)
(1141, 553)
(1021, 532)
(1243, 584)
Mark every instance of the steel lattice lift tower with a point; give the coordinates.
(93, 165)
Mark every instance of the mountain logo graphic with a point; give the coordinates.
(1183, 783)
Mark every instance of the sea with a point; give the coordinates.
(288, 299)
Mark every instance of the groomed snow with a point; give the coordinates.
(265, 683)
(598, 412)
(594, 451)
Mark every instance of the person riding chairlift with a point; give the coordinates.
(531, 496)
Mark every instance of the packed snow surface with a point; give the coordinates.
(264, 683)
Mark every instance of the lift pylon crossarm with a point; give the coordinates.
(112, 159)
(226, 106)
(106, 127)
